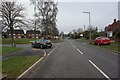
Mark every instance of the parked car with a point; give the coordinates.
(43, 43)
(102, 40)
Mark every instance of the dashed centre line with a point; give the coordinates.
(99, 70)
(76, 48)
(106, 76)
(79, 51)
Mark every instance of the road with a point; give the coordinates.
(73, 59)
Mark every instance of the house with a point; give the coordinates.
(4, 35)
(111, 28)
(16, 33)
(31, 34)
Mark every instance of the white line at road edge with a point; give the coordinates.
(52, 50)
(99, 70)
(31, 66)
(79, 51)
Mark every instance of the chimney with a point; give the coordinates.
(115, 20)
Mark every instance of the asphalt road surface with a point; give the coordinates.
(73, 59)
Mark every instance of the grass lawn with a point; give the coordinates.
(7, 50)
(13, 67)
(0, 67)
(113, 46)
(24, 41)
(17, 41)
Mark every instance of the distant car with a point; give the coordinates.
(102, 40)
(43, 43)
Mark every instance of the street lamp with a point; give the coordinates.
(89, 24)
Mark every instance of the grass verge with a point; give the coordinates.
(13, 67)
(7, 50)
(113, 46)
(84, 40)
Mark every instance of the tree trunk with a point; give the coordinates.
(12, 37)
(35, 31)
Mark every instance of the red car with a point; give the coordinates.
(102, 40)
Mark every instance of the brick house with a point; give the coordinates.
(16, 34)
(112, 27)
(31, 34)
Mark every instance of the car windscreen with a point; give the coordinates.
(105, 38)
(45, 41)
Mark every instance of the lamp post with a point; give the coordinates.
(89, 25)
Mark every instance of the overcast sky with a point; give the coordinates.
(70, 15)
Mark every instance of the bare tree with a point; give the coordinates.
(47, 12)
(79, 30)
(11, 14)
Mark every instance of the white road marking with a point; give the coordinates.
(44, 53)
(31, 66)
(83, 43)
(52, 50)
(76, 48)
(73, 45)
(79, 51)
(100, 70)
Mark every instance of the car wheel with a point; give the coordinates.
(109, 44)
(41, 46)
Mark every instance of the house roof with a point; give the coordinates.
(32, 32)
(16, 31)
(113, 26)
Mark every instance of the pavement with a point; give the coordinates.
(73, 59)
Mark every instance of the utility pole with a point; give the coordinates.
(84, 31)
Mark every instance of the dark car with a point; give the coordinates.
(43, 43)
(102, 40)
